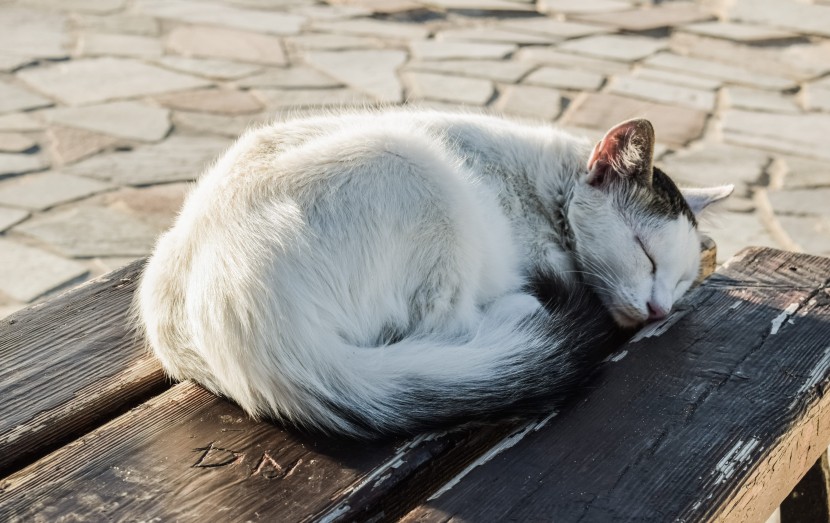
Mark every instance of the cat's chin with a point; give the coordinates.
(627, 321)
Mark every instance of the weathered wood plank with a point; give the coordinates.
(713, 416)
(68, 364)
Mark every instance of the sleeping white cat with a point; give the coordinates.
(381, 272)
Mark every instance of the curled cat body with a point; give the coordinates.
(387, 272)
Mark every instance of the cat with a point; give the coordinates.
(388, 272)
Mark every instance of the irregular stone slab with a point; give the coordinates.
(230, 126)
(565, 79)
(666, 93)
(19, 122)
(803, 174)
(803, 60)
(550, 55)
(9, 217)
(27, 273)
(213, 42)
(101, 79)
(218, 69)
(89, 6)
(331, 42)
(217, 14)
(156, 206)
(469, 91)
(68, 145)
(304, 98)
(650, 19)
(86, 232)
(13, 98)
(615, 47)
(10, 62)
(736, 230)
(370, 27)
(772, 143)
(371, 71)
(551, 27)
(15, 142)
(179, 158)
(804, 134)
(33, 34)
(673, 125)
(758, 100)
(538, 103)
(711, 164)
(744, 33)
(119, 24)
(21, 163)
(37, 192)
(118, 45)
(800, 17)
(817, 97)
(710, 69)
(801, 201)
(581, 6)
(131, 120)
(332, 11)
(498, 70)
(496, 35)
(440, 50)
(297, 77)
(676, 78)
(499, 6)
(219, 101)
(811, 233)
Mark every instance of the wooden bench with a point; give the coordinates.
(714, 414)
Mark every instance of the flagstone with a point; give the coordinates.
(33, 33)
(801, 201)
(119, 24)
(15, 142)
(499, 6)
(131, 120)
(220, 101)
(19, 122)
(69, 145)
(736, 230)
(581, 6)
(444, 50)
(101, 79)
(328, 41)
(625, 48)
(470, 91)
(305, 98)
(711, 69)
(179, 158)
(230, 126)
(371, 71)
(272, 22)
(27, 273)
(496, 34)
(371, 27)
(662, 92)
(86, 232)
(803, 173)
(649, 19)
(14, 98)
(565, 78)
(760, 100)
(499, 70)
(297, 77)
(209, 68)
(552, 27)
(102, 44)
(12, 163)
(88, 6)
(796, 16)
(796, 133)
(673, 125)
(817, 97)
(538, 103)
(229, 44)
(37, 192)
(811, 233)
(744, 33)
(712, 164)
(550, 55)
(677, 78)
(9, 217)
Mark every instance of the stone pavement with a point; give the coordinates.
(108, 108)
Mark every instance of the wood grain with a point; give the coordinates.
(68, 364)
(713, 417)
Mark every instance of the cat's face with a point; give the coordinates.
(635, 232)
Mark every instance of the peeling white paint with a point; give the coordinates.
(816, 375)
(735, 305)
(653, 330)
(781, 318)
(733, 459)
(333, 515)
(618, 356)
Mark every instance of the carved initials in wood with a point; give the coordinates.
(268, 468)
(217, 457)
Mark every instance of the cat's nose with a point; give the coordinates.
(656, 311)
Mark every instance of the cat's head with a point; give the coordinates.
(635, 232)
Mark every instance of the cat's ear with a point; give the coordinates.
(626, 152)
(699, 199)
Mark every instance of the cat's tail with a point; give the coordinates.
(524, 358)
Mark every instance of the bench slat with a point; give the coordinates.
(68, 364)
(716, 418)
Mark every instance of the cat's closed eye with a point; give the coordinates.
(645, 251)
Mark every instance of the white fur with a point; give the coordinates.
(312, 238)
